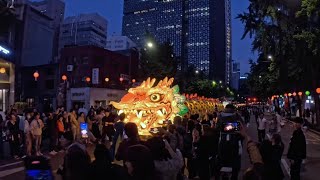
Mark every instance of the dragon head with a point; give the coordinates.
(148, 105)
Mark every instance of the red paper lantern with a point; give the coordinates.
(88, 79)
(133, 80)
(318, 90)
(294, 94)
(285, 94)
(121, 79)
(64, 77)
(300, 93)
(36, 75)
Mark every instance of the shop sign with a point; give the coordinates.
(95, 76)
(78, 94)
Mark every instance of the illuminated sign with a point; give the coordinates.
(4, 50)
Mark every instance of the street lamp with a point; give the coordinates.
(197, 72)
(269, 57)
(150, 44)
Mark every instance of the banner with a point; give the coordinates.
(95, 76)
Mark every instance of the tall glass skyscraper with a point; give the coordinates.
(200, 30)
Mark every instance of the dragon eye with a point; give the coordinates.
(155, 97)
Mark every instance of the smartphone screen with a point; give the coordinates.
(83, 126)
(231, 126)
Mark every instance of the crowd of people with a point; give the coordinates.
(197, 144)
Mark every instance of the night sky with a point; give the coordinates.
(112, 11)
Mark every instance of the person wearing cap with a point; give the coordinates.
(297, 149)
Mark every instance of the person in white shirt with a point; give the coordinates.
(262, 124)
(36, 131)
(27, 132)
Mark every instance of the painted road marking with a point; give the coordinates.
(10, 171)
(10, 164)
(286, 166)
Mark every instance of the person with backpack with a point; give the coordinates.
(230, 143)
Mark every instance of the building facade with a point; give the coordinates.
(235, 78)
(84, 29)
(55, 10)
(91, 66)
(119, 43)
(40, 92)
(200, 31)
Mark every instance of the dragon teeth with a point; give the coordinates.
(139, 115)
(120, 112)
(159, 112)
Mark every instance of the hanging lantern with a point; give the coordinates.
(2, 70)
(36, 75)
(318, 90)
(300, 93)
(121, 79)
(106, 79)
(88, 79)
(289, 94)
(307, 93)
(133, 80)
(64, 77)
(285, 94)
(294, 93)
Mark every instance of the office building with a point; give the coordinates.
(119, 43)
(55, 10)
(235, 78)
(84, 29)
(199, 30)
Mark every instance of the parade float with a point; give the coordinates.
(150, 105)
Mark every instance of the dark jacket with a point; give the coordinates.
(297, 147)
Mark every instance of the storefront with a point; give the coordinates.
(87, 97)
(7, 77)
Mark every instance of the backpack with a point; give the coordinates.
(230, 144)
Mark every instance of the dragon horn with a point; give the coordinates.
(152, 82)
(159, 84)
(165, 82)
(170, 82)
(147, 82)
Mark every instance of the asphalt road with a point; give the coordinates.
(14, 170)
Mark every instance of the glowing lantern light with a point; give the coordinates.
(249, 99)
(88, 79)
(254, 99)
(121, 79)
(294, 94)
(64, 77)
(300, 93)
(289, 94)
(133, 80)
(36, 75)
(285, 94)
(318, 90)
(106, 79)
(307, 93)
(2, 70)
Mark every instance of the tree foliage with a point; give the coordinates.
(158, 61)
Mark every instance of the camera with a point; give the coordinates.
(229, 127)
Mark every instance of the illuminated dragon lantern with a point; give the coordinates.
(202, 105)
(148, 105)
